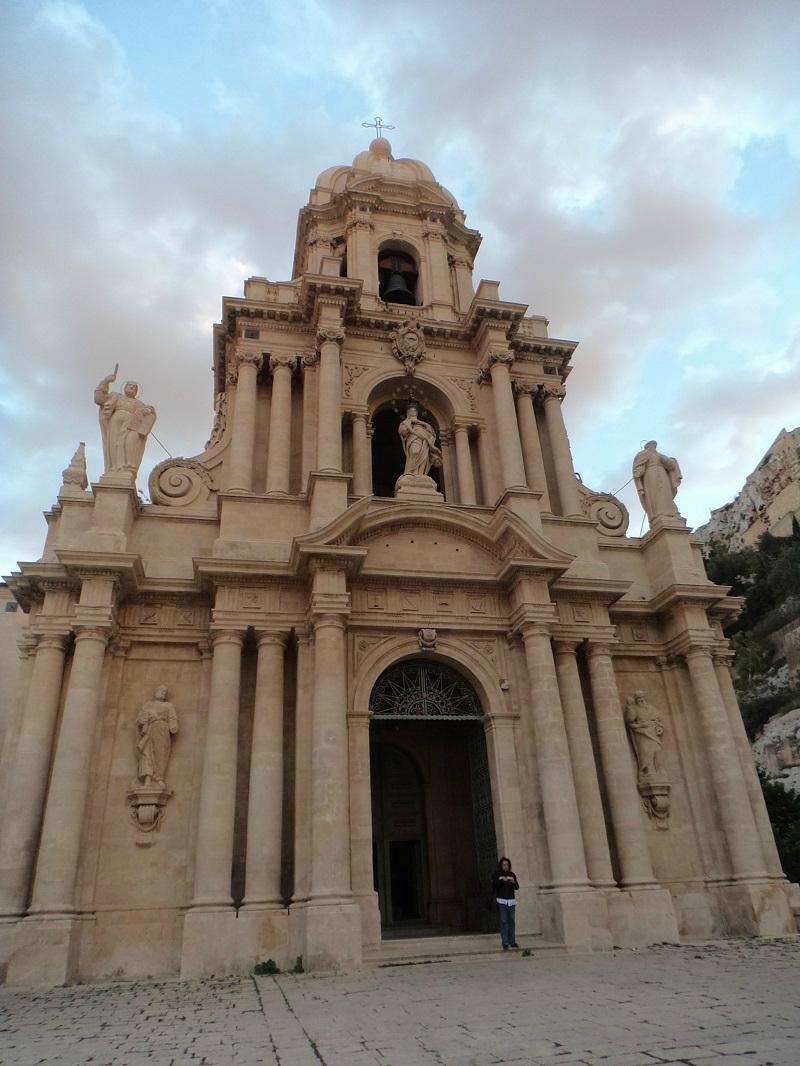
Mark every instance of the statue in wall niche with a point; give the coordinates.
(156, 725)
(646, 731)
(419, 444)
(657, 478)
(125, 423)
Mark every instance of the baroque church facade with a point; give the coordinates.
(376, 635)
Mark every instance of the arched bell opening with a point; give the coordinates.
(388, 456)
(434, 845)
(398, 276)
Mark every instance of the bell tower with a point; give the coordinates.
(390, 224)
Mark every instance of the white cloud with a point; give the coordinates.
(597, 147)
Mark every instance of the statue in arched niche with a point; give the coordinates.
(419, 445)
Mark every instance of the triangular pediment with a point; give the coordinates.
(387, 536)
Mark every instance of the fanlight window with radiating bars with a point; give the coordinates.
(422, 689)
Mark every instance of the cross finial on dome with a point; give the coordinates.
(377, 125)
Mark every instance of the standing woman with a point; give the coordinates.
(504, 885)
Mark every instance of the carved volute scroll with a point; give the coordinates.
(646, 731)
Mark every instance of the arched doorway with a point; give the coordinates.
(434, 845)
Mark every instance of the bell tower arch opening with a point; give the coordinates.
(398, 274)
(434, 846)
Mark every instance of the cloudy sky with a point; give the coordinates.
(633, 165)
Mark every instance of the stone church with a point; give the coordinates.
(377, 634)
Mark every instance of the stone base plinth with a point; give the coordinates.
(370, 917)
(528, 917)
(327, 492)
(210, 943)
(45, 952)
(416, 489)
(577, 918)
(263, 933)
(756, 909)
(641, 916)
(331, 935)
(8, 928)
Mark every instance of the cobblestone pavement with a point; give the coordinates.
(733, 1004)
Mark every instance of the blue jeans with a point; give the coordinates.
(507, 919)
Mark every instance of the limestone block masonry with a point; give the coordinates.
(376, 635)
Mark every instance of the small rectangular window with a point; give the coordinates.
(10, 607)
(252, 334)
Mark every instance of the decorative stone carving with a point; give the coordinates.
(427, 639)
(282, 359)
(657, 478)
(467, 386)
(609, 514)
(408, 343)
(352, 372)
(125, 423)
(310, 360)
(220, 419)
(419, 445)
(74, 478)
(330, 333)
(156, 724)
(495, 355)
(179, 483)
(646, 731)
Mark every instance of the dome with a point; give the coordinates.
(377, 161)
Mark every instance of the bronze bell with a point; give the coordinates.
(397, 291)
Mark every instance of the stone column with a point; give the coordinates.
(265, 800)
(60, 845)
(29, 773)
(499, 362)
(280, 424)
(466, 480)
(243, 431)
(302, 763)
(362, 455)
(462, 265)
(562, 821)
(330, 836)
(361, 827)
(329, 416)
(214, 860)
(310, 403)
(446, 442)
(584, 768)
(747, 763)
(619, 774)
(488, 483)
(747, 860)
(531, 445)
(559, 445)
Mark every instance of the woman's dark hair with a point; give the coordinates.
(501, 860)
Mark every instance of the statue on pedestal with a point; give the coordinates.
(125, 423)
(419, 445)
(156, 725)
(657, 478)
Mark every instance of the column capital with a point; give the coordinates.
(535, 629)
(87, 631)
(723, 657)
(277, 637)
(309, 360)
(698, 651)
(282, 361)
(525, 388)
(463, 422)
(47, 640)
(599, 649)
(566, 645)
(330, 334)
(227, 636)
(497, 355)
(552, 392)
